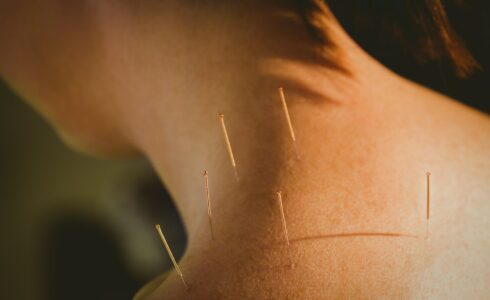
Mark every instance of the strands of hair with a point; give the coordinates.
(228, 145)
(318, 17)
(355, 234)
(441, 38)
(174, 262)
(427, 206)
(288, 118)
(422, 26)
(208, 200)
(285, 228)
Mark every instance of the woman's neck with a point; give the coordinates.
(235, 68)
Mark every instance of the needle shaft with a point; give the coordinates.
(427, 206)
(228, 145)
(288, 118)
(167, 247)
(208, 199)
(279, 198)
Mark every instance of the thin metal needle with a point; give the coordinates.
(279, 198)
(167, 247)
(228, 145)
(427, 206)
(208, 199)
(288, 118)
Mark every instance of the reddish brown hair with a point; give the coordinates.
(434, 37)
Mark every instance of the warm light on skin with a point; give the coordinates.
(155, 76)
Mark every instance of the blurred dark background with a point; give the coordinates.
(74, 227)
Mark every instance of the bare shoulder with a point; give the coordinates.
(459, 141)
(373, 179)
(355, 207)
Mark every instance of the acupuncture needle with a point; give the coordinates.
(228, 145)
(288, 118)
(208, 200)
(427, 216)
(167, 247)
(279, 199)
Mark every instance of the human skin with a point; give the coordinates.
(150, 77)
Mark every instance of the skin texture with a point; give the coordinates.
(149, 78)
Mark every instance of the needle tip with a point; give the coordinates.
(428, 174)
(185, 284)
(236, 174)
(157, 226)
